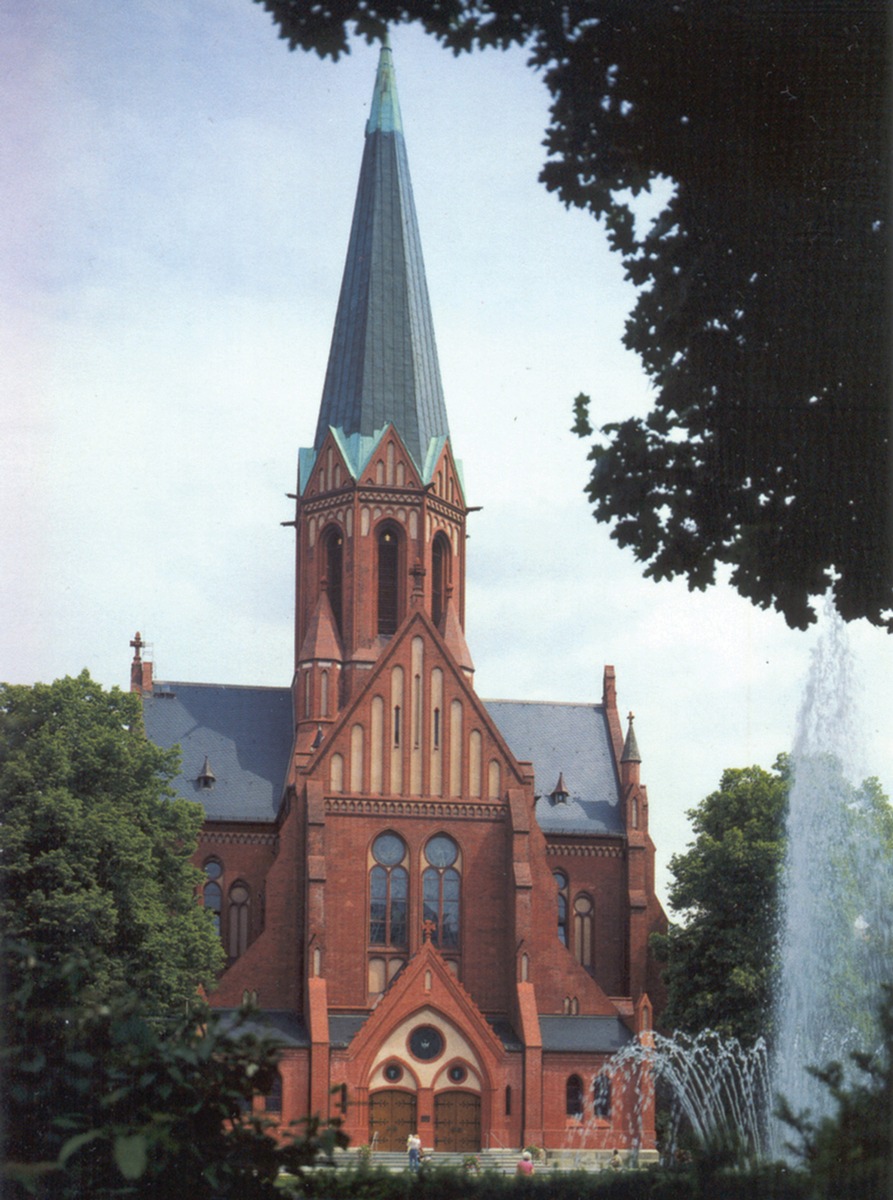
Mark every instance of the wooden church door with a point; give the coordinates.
(457, 1117)
(391, 1118)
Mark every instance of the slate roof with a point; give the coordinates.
(383, 364)
(287, 1027)
(344, 1027)
(246, 733)
(602, 1035)
(568, 739)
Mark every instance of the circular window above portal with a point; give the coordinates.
(426, 1042)
(388, 849)
(457, 1073)
(393, 1073)
(441, 851)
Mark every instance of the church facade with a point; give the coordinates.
(441, 904)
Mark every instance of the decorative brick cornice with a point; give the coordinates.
(585, 850)
(344, 806)
(240, 839)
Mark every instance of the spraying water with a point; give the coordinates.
(834, 937)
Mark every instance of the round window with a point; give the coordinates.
(393, 1073)
(457, 1073)
(426, 1042)
(213, 869)
(441, 851)
(560, 879)
(388, 849)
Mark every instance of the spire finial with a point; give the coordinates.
(384, 115)
(631, 749)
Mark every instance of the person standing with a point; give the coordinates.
(414, 1147)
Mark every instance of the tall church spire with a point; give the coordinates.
(383, 360)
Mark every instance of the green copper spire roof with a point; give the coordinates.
(383, 360)
(385, 113)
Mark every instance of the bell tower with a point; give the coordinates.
(380, 505)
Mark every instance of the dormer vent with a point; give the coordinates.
(206, 777)
(559, 793)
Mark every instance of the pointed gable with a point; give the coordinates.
(417, 729)
(321, 641)
(425, 991)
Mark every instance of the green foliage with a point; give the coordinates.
(720, 957)
(762, 285)
(851, 1153)
(100, 1102)
(95, 847)
(768, 1183)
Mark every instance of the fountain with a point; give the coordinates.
(837, 884)
(835, 942)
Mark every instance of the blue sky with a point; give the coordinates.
(179, 190)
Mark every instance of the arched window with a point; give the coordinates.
(583, 908)
(561, 883)
(237, 920)
(440, 891)
(273, 1098)
(440, 576)
(388, 892)
(212, 896)
(388, 579)
(601, 1096)
(574, 1096)
(333, 565)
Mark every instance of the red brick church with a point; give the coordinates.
(441, 904)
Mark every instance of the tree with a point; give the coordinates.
(719, 960)
(94, 846)
(101, 1100)
(721, 955)
(762, 311)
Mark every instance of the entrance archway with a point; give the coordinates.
(392, 1118)
(457, 1121)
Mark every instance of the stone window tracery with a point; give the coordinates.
(441, 891)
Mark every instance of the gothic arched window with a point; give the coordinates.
(440, 891)
(388, 893)
(561, 883)
(389, 549)
(573, 1092)
(333, 565)
(601, 1096)
(237, 919)
(212, 896)
(273, 1098)
(440, 576)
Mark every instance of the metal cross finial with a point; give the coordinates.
(137, 643)
(630, 716)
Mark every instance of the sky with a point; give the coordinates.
(178, 195)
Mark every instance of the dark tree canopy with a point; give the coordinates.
(762, 314)
(94, 847)
(101, 1100)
